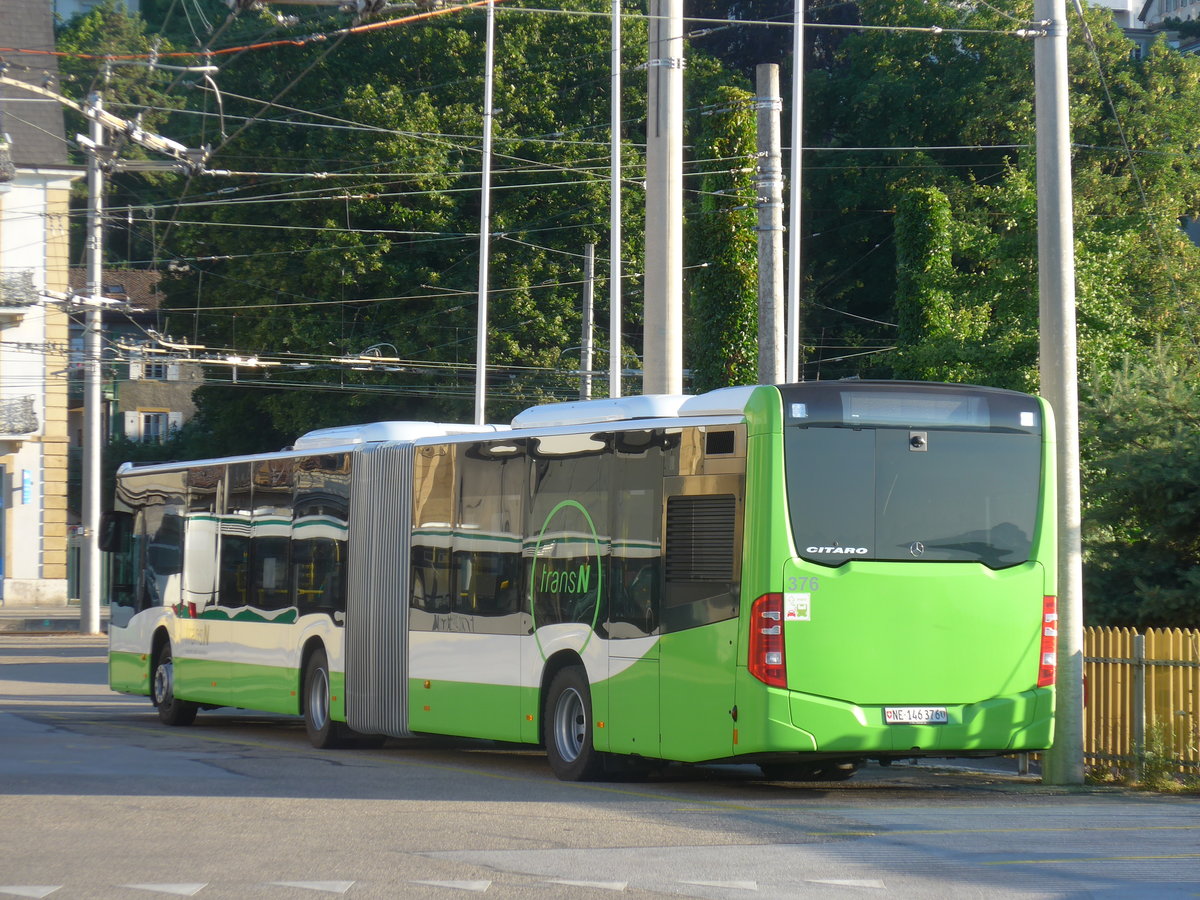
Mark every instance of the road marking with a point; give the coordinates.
(328, 887)
(477, 887)
(180, 890)
(849, 882)
(906, 831)
(1091, 859)
(29, 890)
(599, 885)
(732, 885)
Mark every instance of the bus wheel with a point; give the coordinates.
(567, 727)
(318, 721)
(162, 692)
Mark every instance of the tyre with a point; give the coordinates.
(171, 710)
(318, 720)
(567, 727)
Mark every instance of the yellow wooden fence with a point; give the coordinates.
(1142, 690)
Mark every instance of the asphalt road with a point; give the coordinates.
(98, 800)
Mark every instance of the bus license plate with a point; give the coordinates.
(915, 715)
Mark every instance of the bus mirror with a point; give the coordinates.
(115, 526)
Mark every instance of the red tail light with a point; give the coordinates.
(1049, 650)
(767, 662)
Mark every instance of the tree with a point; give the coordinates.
(312, 268)
(952, 114)
(130, 89)
(722, 319)
(1141, 429)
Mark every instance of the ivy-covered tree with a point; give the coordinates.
(722, 320)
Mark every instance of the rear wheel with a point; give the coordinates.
(171, 711)
(318, 704)
(567, 727)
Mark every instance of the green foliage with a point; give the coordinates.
(392, 258)
(1136, 274)
(129, 89)
(1159, 767)
(1140, 430)
(723, 248)
(1188, 28)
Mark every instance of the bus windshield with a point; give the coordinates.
(889, 475)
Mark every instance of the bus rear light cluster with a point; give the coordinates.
(1049, 650)
(767, 661)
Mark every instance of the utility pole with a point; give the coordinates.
(585, 348)
(662, 361)
(485, 221)
(1059, 373)
(93, 435)
(769, 104)
(614, 212)
(794, 319)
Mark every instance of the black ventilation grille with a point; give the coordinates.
(719, 443)
(700, 538)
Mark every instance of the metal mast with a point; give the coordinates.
(485, 221)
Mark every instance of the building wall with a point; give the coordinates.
(55, 438)
(33, 240)
(1161, 10)
(171, 397)
(1125, 12)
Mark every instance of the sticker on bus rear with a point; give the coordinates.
(797, 607)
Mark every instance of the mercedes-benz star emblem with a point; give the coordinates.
(916, 548)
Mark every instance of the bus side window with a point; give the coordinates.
(486, 540)
(158, 539)
(200, 540)
(319, 531)
(635, 565)
(567, 527)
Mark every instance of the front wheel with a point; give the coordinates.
(567, 727)
(318, 720)
(171, 710)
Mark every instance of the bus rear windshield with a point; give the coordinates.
(912, 494)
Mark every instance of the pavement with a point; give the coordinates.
(45, 619)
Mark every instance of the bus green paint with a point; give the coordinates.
(129, 672)
(464, 709)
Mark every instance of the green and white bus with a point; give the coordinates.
(803, 577)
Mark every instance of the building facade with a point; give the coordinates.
(35, 181)
(1154, 13)
(147, 393)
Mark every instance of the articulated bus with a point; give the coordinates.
(802, 577)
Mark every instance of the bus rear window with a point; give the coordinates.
(912, 495)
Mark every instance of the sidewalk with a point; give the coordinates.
(45, 619)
